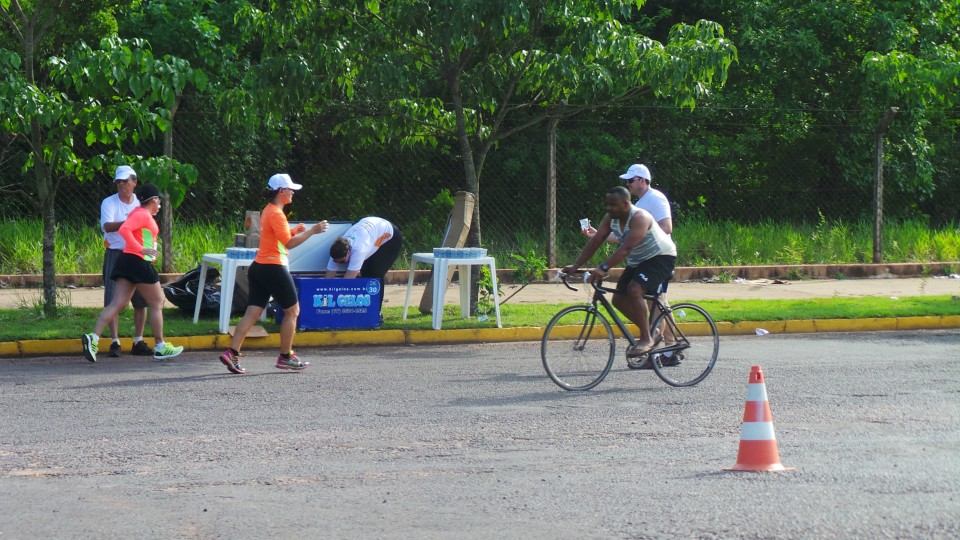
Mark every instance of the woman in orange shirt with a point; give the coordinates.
(134, 271)
(269, 275)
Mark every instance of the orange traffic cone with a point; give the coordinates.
(758, 444)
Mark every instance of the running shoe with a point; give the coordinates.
(673, 360)
(140, 348)
(293, 363)
(89, 343)
(114, 349)
(168, 351)
(232, 362)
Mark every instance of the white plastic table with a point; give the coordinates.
(440, 267)
(310, 256)
(228, 280)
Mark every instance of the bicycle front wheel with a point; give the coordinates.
(578, 348)
(697, 344)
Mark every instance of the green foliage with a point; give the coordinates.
(485, 303)
(796, 274)
(725, 277)
(528, 266)
(427, 230)
(80, 248)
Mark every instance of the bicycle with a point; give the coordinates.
(578, 346)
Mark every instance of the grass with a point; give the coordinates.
(28, 323)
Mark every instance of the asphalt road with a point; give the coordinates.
(473, 441)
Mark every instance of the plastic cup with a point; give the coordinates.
(584, 223)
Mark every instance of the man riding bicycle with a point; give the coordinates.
(650, 257)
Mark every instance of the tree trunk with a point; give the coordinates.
(46, 194)
(471, 181)
(552, 192)
(166, 221)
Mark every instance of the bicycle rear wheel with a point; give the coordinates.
(698, 344)
(578, 348)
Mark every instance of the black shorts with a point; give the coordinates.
(274, 280)
(649, 273)
(110, 257)
(134, 269)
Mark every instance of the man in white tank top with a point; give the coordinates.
(650, 255)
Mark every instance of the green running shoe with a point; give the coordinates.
(89, 342)
(168, 351)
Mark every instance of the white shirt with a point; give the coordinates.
(113, 209)
(655, 202)
(365, 236)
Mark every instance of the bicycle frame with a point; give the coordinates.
(600, 296)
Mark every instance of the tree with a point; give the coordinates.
(100, 98)
(813, 80)
(472, 73)
(477, 72)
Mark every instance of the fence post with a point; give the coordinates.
(878, 187)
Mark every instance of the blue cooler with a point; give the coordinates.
(337, 303)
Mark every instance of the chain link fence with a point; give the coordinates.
(712, 164)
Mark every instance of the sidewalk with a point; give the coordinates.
(552, 293)
(545, 293)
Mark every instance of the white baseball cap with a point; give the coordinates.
(124, 172)
(636, 170)
(280, 181)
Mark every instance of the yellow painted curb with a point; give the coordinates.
(197, 343)
(463, 335)
(799, 327)
(750, 327)
(854, 325)
(40, 347)
(350, 337)
(71, 347)
(919, 323)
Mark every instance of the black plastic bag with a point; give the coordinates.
(183, 292)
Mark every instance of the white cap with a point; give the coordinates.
(124, 172)
(636, 170)
(280, 181)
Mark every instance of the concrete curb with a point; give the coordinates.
(71, 347)
(505, 275)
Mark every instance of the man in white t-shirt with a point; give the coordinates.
(652, 200)
(368, 249)
(113, 212)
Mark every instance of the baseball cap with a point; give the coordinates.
(147, 192)
(124, 172)
(280, 181)
(636, 170)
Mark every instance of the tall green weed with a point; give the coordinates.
(79, 249)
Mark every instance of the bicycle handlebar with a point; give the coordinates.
(595, 285)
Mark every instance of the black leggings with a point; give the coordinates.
(377, 265)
